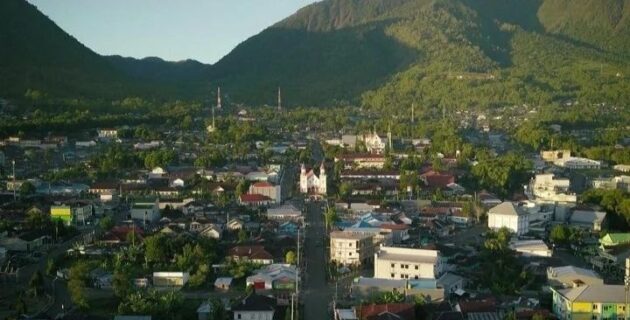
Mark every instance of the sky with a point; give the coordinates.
(204, 30)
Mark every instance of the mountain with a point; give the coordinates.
(381, 54)
(37, 54)
(159, 70)
(386, 53)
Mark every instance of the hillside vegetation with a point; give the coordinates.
(381, 54)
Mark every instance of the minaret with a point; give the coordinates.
(279, 99)
(218, 97)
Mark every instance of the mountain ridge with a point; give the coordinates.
(375, 53)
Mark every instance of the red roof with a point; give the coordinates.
(438, 180)
(251, 252)
(253, 197)
(262, 184)
(405, 311)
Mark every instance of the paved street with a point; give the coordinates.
(316, 294)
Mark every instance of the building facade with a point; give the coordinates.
(590, 302)
(406, 263)
(310, 183)
(349, 248)
(509, 215)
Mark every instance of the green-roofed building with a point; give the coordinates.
(146, 209)
(615, 239)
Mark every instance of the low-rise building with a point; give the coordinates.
(255, 254)
(255, 307)
(567, 276)
(146, 210)
(349, 248)
(267, 189)
(170, 279)
(596, 302)
(285, 212)
(406, 263)
(509, 215)
(532, 248)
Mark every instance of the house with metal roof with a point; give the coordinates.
(590, 302)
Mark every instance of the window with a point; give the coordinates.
(350, 244)
(594, 307)
(416, 277)
(350, 254)
(393, 275)
(416, 267)
(239, 316)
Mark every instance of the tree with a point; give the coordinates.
(36, 284)
(241, 188)
(77, 281)
(36, 219)
(27, 189)
(559, 234)
(121, 283)
(20, 306)
(106, 223)
(51, 267)
(345, 191)
(538, 316)
(242, 235)
(290, 257)
(330, 217)
(154, 248)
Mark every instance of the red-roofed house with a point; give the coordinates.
(120, 234)
(266, 189)
(402, 311)
(254, 200)
(255, 254)
(437, 180)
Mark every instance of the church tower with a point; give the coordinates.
(303, 180)
(322, 179)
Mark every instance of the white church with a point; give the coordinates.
(310, 183)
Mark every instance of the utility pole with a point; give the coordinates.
(413, 106)
(626, 285)
(279, 99)
(14, 186)
(219, 98)
(297, 277)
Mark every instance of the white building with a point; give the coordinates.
(254, 307)
(285, 212)
(148, 210)
(546, 187)
(578, 163)
(374, 143)
(509, 215)
(532, 248)
(349, 248)
(170, 279)
(406, 263)
(567, 276)
(310, 183)
(267, 189)
(107, 133)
